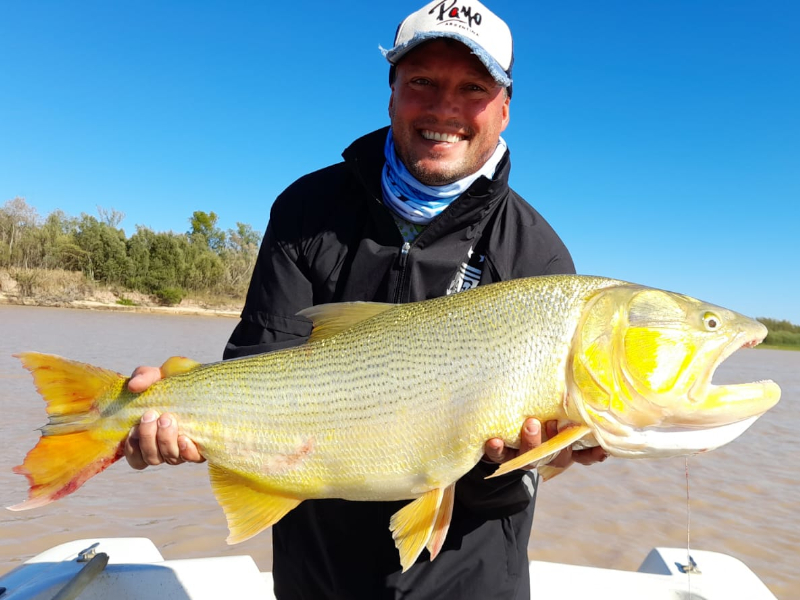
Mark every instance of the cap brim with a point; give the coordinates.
(394, 55)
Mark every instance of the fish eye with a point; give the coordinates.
(711, 321)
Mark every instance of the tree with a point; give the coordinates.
(204, 269)
(18, 221)
(159, 260)
(110, 217)
(59, 247)
(106, 256)
(239, 258)
(204, 231)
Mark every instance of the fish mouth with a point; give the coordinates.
(718, 405)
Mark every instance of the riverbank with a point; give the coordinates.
(60, 289)
(186, 307)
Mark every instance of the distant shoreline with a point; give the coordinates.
(185, 308)
(777, 347)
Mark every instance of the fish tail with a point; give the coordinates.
(78, 442)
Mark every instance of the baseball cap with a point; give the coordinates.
(469, 22)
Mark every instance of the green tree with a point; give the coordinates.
(204, 268)
(18, 223)
(239, 258)
(159, 260)
(204, 230)
(105, 255)
(60, 249)
(782, 325)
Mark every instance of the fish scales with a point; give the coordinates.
(408, 382)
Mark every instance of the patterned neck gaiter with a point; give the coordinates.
(419, 203)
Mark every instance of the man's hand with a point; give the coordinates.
(155, 440)
(531, 436)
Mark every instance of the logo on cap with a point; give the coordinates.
(453, 13)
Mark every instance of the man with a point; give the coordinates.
(417, 210)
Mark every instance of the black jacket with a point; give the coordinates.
(330, 239)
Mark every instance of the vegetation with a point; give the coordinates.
(782, 334)
(68, 257)
(204, 261)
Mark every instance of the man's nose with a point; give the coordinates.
(445, 101)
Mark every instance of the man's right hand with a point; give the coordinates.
(156, 440)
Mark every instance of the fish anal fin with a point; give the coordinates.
(563, 439)
(330, 319)
(413, 525)
(175, 365)
(442, 524)
(248, 509)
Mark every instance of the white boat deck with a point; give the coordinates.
(136, 570)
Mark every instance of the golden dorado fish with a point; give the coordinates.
(617, 364)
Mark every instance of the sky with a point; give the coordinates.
(661, 139)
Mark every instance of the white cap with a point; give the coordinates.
(469, 22)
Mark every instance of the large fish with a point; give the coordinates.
(420, 387)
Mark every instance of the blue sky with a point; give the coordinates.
(660, 139)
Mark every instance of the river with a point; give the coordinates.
(743, 498)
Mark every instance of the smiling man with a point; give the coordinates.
(447, 113)
(416, 210)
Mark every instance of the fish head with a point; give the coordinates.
(641, 367)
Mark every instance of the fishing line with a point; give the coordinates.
(690, 564)
(688, 515)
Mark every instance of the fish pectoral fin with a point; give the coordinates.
(422, 522)
(555, 444)
(330, 319)
(176, 365)
(248, 509)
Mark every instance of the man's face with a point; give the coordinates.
(447, 112)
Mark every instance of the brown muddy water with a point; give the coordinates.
(744, 498)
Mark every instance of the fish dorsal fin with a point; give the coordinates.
(248, 509)
(330, 319)
(423, 522)
(555, 444)
(176, 365)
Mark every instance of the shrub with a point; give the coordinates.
(27, 280)
(169, 296)
(782, 338)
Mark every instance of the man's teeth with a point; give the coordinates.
(441, 137)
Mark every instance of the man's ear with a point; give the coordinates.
(506, 112)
